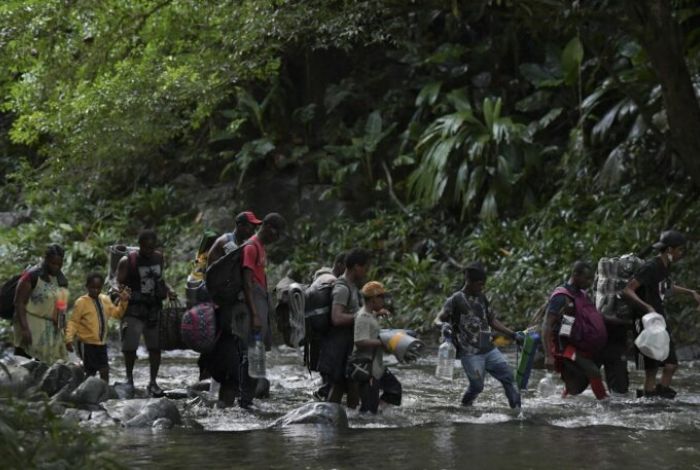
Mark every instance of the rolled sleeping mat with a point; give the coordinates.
(405, 347)
(527, 358)
(196, 292)
(297, 321)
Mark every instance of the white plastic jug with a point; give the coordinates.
(547, 387)
(653, 341)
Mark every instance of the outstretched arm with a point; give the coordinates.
(685, 290)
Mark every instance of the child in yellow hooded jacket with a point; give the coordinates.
(88, 323)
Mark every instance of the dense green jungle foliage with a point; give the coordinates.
(526, 134)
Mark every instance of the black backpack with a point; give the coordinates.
(318, 305)
(224, 277)
(7, 294)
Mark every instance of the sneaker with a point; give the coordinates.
(154, 390)
(641, 393)
(665, 392)
(466, 404)
(245, 405)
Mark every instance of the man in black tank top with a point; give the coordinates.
(142, 272)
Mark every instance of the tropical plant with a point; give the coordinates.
(477, 156)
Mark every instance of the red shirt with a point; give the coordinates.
(254, 259)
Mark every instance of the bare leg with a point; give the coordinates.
(104, 374)
(667, 374)
(154, 361)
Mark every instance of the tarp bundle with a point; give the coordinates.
(297, 323)
(612, 276)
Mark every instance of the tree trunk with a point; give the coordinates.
(661, 37)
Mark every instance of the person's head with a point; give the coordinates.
(373, 293)
(273, 226)
(672, 244)
(94, 283)
(339, 264)
(475, 278)
(357, 264)
(582, 275)
(53, 259)
(148, 242)
(246, 224)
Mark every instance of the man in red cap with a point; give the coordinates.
(246, 224)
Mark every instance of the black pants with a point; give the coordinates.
(390, 387)
(228, 365)
(613, 358)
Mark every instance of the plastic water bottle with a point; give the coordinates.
(446, 359)
(547, 387)
(256, 358)
(214, 387)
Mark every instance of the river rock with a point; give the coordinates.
(14, 380)
(329, 414)
(162, 423)
(36, 368)
(178, 393)
(58, 376)
(100, 418)
(91, 392)
(63, 395)
(76, 415)
(142, 412)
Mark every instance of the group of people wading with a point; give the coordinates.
(42, 332)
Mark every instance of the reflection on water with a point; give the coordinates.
(429, 430)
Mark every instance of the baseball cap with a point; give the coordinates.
(669, 239)
(249, 217)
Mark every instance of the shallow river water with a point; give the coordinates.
(428, 431)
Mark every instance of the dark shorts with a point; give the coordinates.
(613, 358)
(388, 385)
(577, 375)
(133, 328)
(650, 364)
(94, 357)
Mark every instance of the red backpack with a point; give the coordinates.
(588, 332)
(198, 327)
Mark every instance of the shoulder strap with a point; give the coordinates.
(561, 290)
(34, 274)
(343, 282)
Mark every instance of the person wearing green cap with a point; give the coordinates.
(646, 291)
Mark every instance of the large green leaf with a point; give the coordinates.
(571, 58)
(489, 207)
(428, 95)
